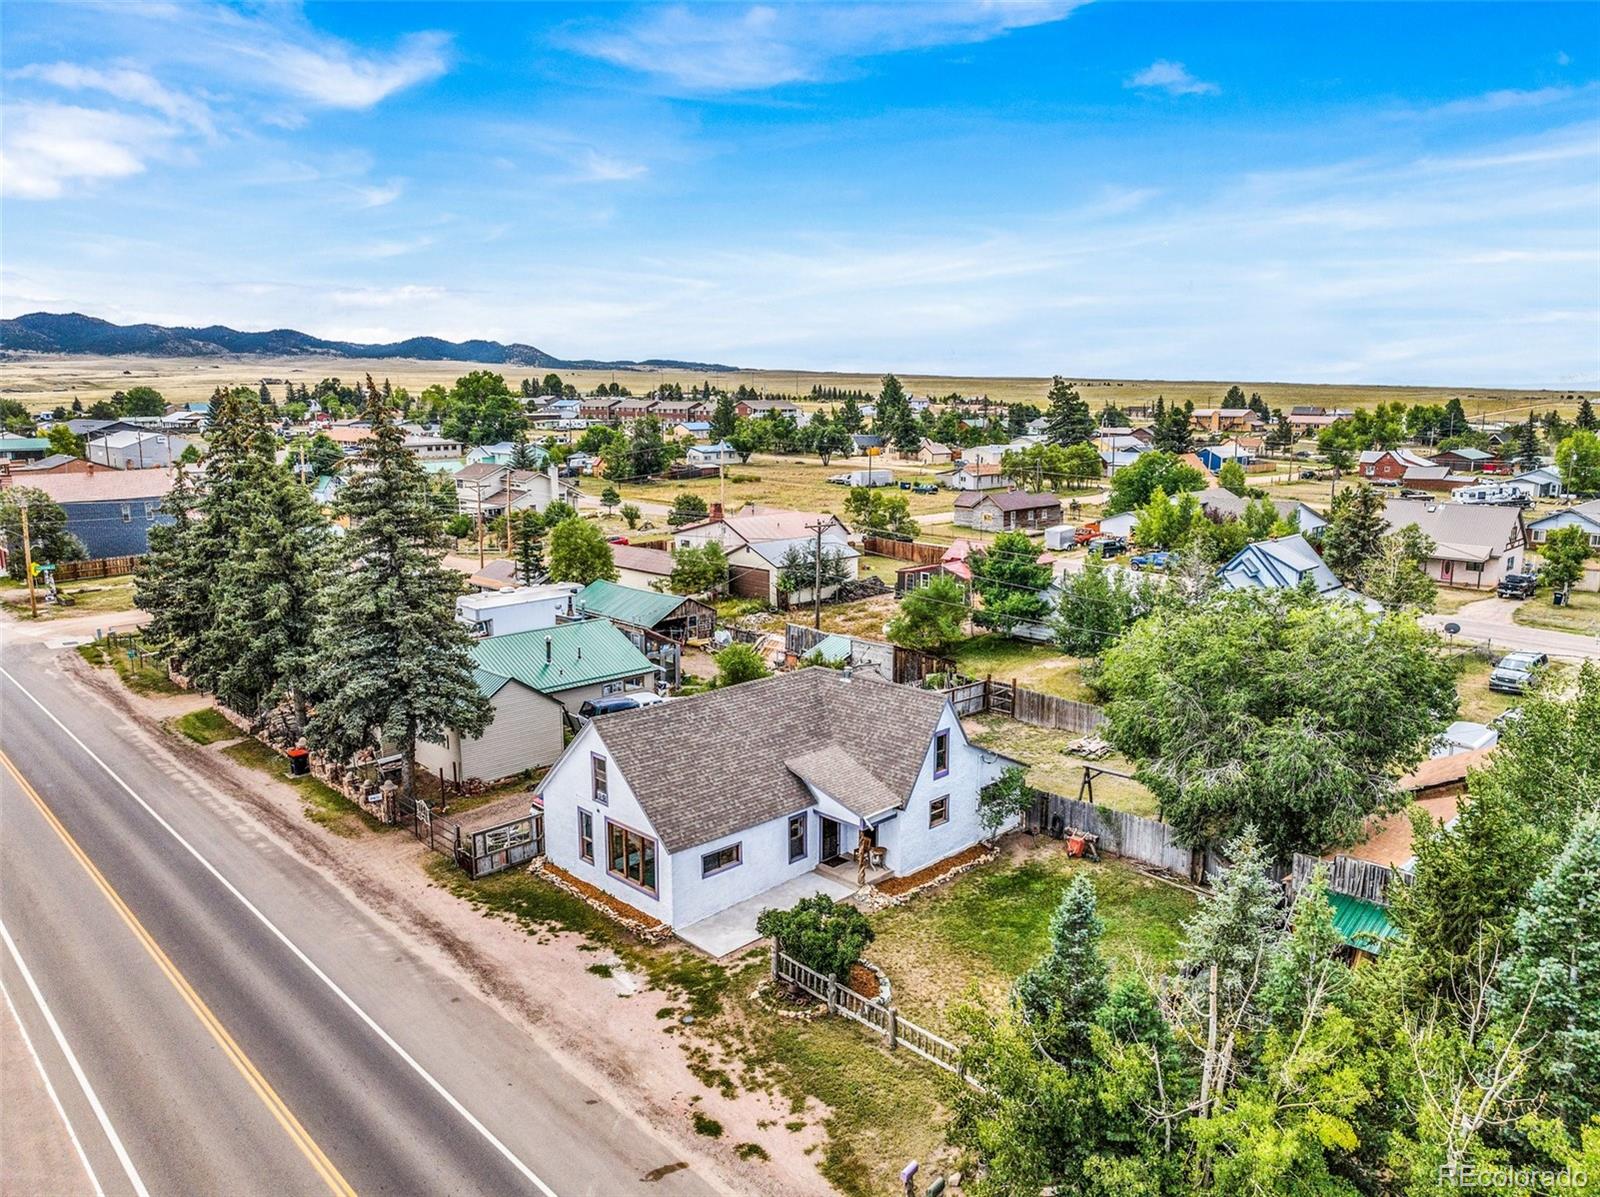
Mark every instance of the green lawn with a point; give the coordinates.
(99, 595)
(324, 805)
(988, 926)
(1479, 704)
(1580, 615)
(206, 726)
(1032, 666)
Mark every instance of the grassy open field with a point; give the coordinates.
(1581, 614)
(43, 382)
(797, 483)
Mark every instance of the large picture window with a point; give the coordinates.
(597, 777)
(797, 837)
(721, 860)
(585, 836)
(941, 753)
(631, 856)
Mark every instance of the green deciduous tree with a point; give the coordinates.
(699, 569)
(872, 509)
(1012, 583)
(47, 529)
(63, 440)
(392, 663)
(1166, 523)
(1578, 460)
(1562, 554)
(1097, 605)
(1398, 576)
(1275, 709)
(143, 401)
(579, 552)
(631, 515)
(931, 617)
(481, 410)
(1231, 477)
(687, 508)
(739, 663)
(1132, 485)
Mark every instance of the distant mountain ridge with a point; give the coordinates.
(75, 333)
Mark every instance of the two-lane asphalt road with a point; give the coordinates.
(215, 1016)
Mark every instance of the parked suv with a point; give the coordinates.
(1515, 671)
(619, 702)
(1517, 586)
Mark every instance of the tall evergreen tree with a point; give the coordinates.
(1354, 535)
(1528, 444)
(1060, 994)
(530, 549)
(724, 417)
(522, 454)
(1586, 418)
(1068, 420)
(267, 600)
(1552, 975)
(393, 664)
(165, 585)
(850, 415)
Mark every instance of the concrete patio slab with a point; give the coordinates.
(734, 928)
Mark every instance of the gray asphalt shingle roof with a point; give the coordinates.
(712, 764)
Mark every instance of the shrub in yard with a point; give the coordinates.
(740, 663)
(820, 933)
(1061, 993)
(1007, 797)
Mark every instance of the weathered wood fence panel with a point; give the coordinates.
(903, 665)
(1354, 878)
(103, 567)
(914, 551)
(1050, 710)
(1148, 841)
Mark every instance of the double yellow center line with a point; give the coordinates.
(279, 1109)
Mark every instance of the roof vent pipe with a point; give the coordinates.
(547, 650)
(846, 672)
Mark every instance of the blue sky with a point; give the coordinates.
(1299, 192)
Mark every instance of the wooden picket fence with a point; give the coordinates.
(914, 551)
(877, 1016)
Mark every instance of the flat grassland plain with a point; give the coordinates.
(43, 382)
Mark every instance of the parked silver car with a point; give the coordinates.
(1514, 672)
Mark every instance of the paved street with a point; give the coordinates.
(1490, 621)
(216, 1016)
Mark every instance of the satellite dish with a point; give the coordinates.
(1452, 628)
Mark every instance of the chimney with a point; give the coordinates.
(547, 650)
(715, 515)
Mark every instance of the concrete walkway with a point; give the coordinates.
(731, 929)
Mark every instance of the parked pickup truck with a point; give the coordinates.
(1517, 586)
(1514, 671)
(1086, 532)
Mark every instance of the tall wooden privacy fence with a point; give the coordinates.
(1025, 706)
(1148, 841)
(103, 567)
(877, 1016)
(913, 551)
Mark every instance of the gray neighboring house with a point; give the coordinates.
(1541, 483)
(1215, 500)
(137, 450)
(1006, 511)
(110, 511)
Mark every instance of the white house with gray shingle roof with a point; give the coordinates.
(684, 809)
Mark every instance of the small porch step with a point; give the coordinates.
(845, 872)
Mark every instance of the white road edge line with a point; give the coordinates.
(77, 1071)
(372, 1024)
(55, 1099)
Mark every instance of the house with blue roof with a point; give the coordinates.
(534, 681)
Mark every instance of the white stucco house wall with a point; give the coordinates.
(684, 809)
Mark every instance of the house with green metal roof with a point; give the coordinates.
(534, 680)
(23, 448)
(670, 615)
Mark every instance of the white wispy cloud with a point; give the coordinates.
(379, 195)
(46, 148)
(122, 83)
(1171, 77)
(729, 48)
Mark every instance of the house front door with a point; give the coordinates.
(1447, 570)
(830, 840)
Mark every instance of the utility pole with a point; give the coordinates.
(816, 576)
(27, 561)
(477, 489)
